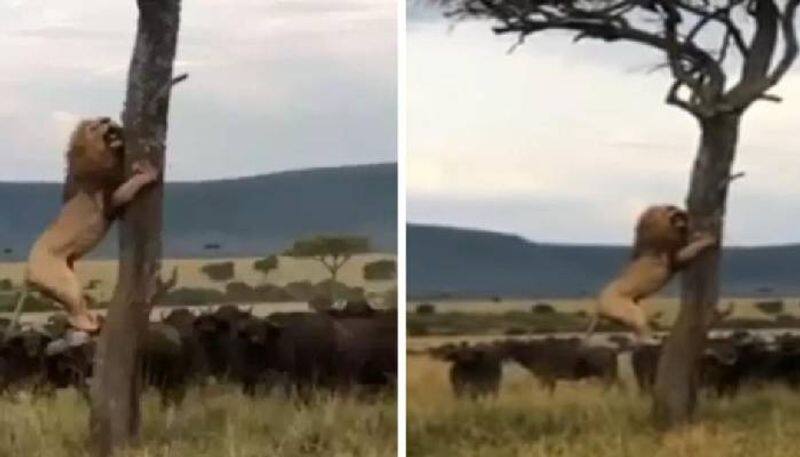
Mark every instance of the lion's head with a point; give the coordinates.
(96, 150)
(661, 228)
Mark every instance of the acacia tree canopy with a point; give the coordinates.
(266, 264)
(703, 41)
(331, 251)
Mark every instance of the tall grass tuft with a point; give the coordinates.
(214, 422)
(582, 419)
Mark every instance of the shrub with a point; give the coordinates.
(515, 331)
(390, 299)
(301, 290)
(240, 291)
(770, 307)
(35, 302)
(426, 308)
(543, 308)
(380, 270)
(320, 303)
(544, 327)
(331, 288)
(786, 319)
(272, 293)
(6, 284)
(222, 271)
(417, 329)
(194, 296)
(266, 264)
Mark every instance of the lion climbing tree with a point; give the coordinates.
(703, 44)
(115, 414)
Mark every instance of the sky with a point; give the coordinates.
(273, 84)
(563, 142)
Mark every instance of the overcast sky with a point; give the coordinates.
(568, 143)
(274, 84)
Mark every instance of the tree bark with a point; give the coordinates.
(675, 393)
(115, 414)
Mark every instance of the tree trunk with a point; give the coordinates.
(115, 415)
(675, 393)
(334, 278)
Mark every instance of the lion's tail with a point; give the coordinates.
(12, 326)
(592, 325)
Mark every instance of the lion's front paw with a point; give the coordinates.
(145, 170)
(704, 239)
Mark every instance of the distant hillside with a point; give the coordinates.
(459, 262)
(246, 216)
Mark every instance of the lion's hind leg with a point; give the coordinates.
(620, 308)
(53, 278)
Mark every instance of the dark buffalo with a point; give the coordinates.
(321, 350)
(166, 366)
(258, 342)
(183, 321)
(22, 360)
(217, 336)
(69, 360)
(476, 371)
(368, 347)
(644, 361)
(554, 359)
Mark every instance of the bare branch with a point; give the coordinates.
(756, 78)
(163, 287)
(165, 89)
(790, 42)
(723, 184)
(674, 99)
(693, 66)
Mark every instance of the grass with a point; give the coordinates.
(218, 422)
(514, 316)
(581, 419)
(511, 322)
(744, 307)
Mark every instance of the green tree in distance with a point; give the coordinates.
(266, 264)
(380, 270)
(333, 252)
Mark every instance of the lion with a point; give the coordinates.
(95, 193)
(662, 246)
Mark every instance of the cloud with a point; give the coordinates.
(273, 85)
(565, 142)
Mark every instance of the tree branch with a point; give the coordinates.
(756, 78)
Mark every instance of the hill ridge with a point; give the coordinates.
(249, 216)
(468, 262)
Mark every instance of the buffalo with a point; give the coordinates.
(476, 371)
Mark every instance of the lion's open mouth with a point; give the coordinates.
(114, 138)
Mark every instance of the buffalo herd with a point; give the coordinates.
(352, 349)
(727, 364)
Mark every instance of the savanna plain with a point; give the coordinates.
(585, 417)
(214, 422)
(215, 419)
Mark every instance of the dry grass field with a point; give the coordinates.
(103, 273)
(189, 273)
(667, 307)
(583, 420)
(217, 421)
(452, 318)
(220, 422)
